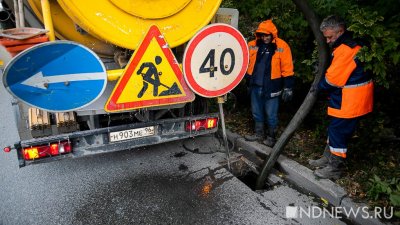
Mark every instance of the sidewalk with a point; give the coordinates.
(304, 178)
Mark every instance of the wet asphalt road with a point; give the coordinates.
(162, 184)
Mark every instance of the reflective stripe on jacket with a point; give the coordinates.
(349, 86)
(281, 65)
(281, 62)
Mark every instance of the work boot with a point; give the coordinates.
(328, 172)
(254, 137)
(259, 133)
(323, 161)
(270, 140)
(333, 170)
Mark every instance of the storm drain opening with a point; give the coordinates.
(247, 172)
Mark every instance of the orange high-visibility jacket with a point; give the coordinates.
(282, 64)
(350, 87)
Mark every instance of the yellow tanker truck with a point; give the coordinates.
(114, 32)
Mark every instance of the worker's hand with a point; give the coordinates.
(287, 94)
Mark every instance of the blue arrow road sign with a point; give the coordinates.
(56, 76)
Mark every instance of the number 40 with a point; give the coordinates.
(211, 58)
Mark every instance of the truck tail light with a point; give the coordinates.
(52, 149)
(202, 124)
(7, 149)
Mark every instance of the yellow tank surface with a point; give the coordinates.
(125, 22)
(65, 29)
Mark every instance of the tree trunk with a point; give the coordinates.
(323, 57)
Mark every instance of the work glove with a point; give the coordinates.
(287, 94)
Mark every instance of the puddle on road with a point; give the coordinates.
(155, 199)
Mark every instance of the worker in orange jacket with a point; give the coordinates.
(270, 75)
(350, 90)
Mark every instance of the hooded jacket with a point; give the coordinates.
(281, 68)
(350, 87)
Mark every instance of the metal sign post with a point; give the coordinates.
(215, 61)
(221, 101)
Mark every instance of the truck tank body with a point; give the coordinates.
(113, 29)
(125, 23)
(66, 29)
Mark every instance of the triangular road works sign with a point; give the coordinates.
(152, 77)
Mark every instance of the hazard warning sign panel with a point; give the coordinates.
(151, 78)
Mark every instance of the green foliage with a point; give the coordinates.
(379, 187)
(376, 22)
(292, 28)
(383, 48)
(311, 63)
(228, 4)
(381, 55)
(374, 128)
(390, 188)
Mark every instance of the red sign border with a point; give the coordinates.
(113, 106)
(211, 29)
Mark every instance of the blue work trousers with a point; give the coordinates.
(339, 132)
(264, 109)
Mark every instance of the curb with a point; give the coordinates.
(304, 178)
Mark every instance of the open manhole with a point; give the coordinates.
(247, 172)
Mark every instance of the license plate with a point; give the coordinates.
(132, 134)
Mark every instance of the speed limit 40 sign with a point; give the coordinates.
(215, 60)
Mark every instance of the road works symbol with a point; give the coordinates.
(151, 78)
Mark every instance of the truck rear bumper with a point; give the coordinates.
(97, 141)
